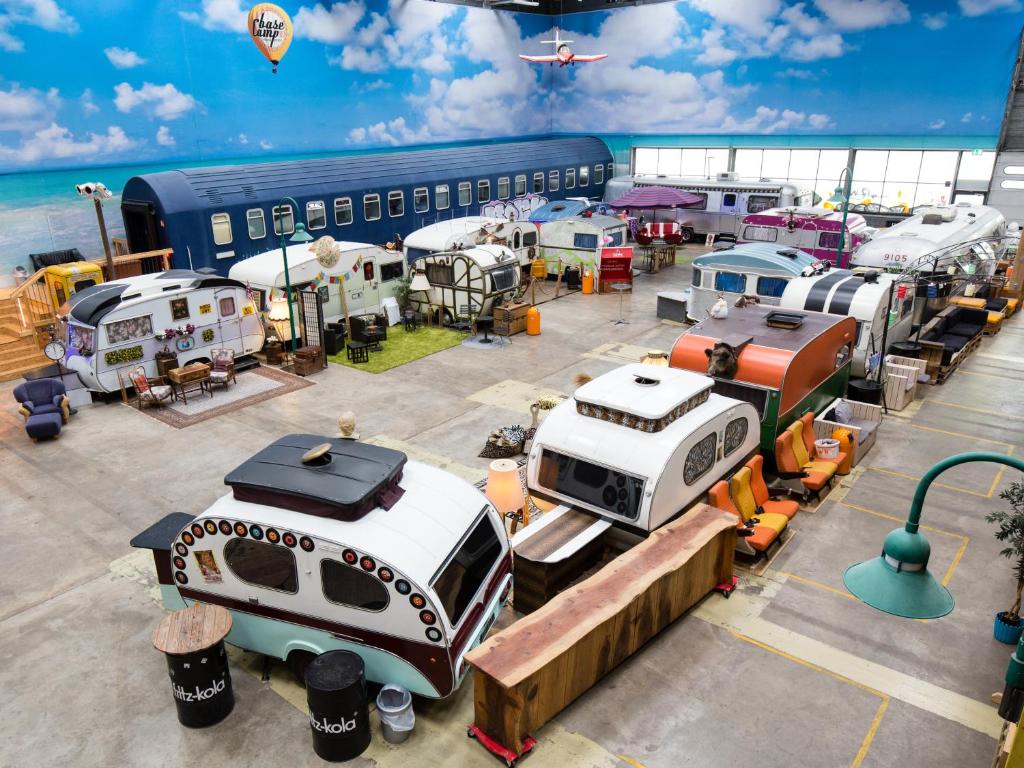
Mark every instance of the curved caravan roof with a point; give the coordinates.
(809, 218)
(443, 235)
(557, 210)
(267, 268)
(92, 304)
(485, 256)
(760, 258)
(840, 292)
(195, 189)
(727, 184)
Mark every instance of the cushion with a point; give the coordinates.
(786, 507)
(762, 538)
(866, 426)
(45, 408)
(843, 412)
(774, 521)
(828, 466)
(43, 425)
(816, 480)
(953, 342)
(159, 392)
(141, 382)
(965, 329)
(219, 376)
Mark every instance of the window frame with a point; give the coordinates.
(249, 218)
(275, 219)
(599, 174)
(584, 176)
(538, 189)
(351, 213)
(481, 186)
(570, 178)
(467, 187)
(225, 219)
(554, 180)
(323, 210)
(520, 178)
(508, 188)
(447, 197)
(426, 198)
(710, 437)
(399, 195)
(272, 547)
(375, 198)
(361, 574)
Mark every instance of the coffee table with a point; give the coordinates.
(190, 379)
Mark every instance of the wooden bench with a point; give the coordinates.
(529, 672)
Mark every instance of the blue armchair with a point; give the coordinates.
(45, 406)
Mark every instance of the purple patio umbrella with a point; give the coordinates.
(650, 198)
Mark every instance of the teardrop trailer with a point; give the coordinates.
(356, 548)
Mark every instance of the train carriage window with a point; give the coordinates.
(257, 226)
(584, 176)
(371, 207)
(538, 183)
(465, 193)
(735, 434)
(758, 203)
(730, 282)
(616, 238)
(700, 459)
(503, 188)
(760, 234)
(221, 228)
(442, 201)
(262, 564)
(420, 200)
(570, 178)
(467, 569)
(396, 204)
(611, 170)
(521, 185)
(483, 191)
(316, 215)
(599, 174)
(391, 271)
(343, 211)
(351, 586)
(553, 181)
(284, 219)
(771, 286)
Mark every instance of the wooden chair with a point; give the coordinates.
(149, 391)
(222, 367)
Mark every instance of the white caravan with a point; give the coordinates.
(114, 325)
(725, 200)
(579, 240)
(466, 282)
(467, 231)
(368, 273)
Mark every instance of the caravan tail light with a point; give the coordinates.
(349, 556)
(428, 617)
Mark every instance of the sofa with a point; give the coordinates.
(948, 336)
(862, 419)
(45, 405)
(902, 375)
(996, 308)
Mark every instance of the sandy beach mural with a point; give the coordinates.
(102, 92)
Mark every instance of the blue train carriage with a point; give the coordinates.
(331, 544)
(213, 217)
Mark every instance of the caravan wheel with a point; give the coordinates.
(686, 234)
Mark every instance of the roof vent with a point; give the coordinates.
(644, 381)
(932, 218)
(788, 320)
(871, 277)
(213, 196)
(791, 253)
(249, 192)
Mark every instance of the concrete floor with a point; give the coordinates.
(789, 672)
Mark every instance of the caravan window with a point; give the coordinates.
(584, 240)
(343, 211)
(700, 459)
(570, 178)
(391, 271)
(503, 188)
(504, 278)
(517, 240)
(483, 191)
(463, 575)
(420, 200)
(584, 176)
(593, 484)
(538, 183)
(371, 207)
(121, 331)
(702, 205)
(553, 181)
(730, 282)
(616, 238)
(830, 240)
(316, 215)
(262, 564)
(257, 227)
(284, 219)
(529, 238)
(351, 586)
(520, 186)
(695, 278)
(368, 270)
(771, 286)
(760, 234)
(729, 199)
(598, 174)
(221, 228)
(396, 204)
(227, 306)
(440, 274)
(441, 200)
(465, 193)
(735, 434)
(758, 203)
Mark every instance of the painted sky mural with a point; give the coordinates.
(124, 82)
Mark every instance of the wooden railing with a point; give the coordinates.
(132, 264)
(32, 298)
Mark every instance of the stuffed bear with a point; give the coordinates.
(722, 360)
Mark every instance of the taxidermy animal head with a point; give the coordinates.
(746, 299)
(722, 360)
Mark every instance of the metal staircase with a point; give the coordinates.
(1006, 190)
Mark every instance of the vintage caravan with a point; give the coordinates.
(114, 325)
(579, 240)
(65, 280)
(467, 231)
(936, 238)
(782, 362)
(725, 200)
(466, 282)
(814, 230)
(329, 544)
(750, 269)
(367, 273)
(865, 297)
(638, 445)
(568, 209)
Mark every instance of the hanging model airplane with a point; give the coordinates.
(562, 55)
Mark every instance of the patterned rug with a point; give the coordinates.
(250, 387)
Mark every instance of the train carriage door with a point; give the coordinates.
(140, 225)
(229, 314)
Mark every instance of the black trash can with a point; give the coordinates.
(905, 349)
(572, 278)
(864, 391)
(339, 714)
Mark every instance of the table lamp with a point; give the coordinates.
(278, 317)
(505, 491)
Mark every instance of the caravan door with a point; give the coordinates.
(371, 286)
(229, 319)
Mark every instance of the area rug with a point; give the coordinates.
(250, 387)
(403, 347)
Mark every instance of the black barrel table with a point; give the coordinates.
(339, 714)
(192, 639)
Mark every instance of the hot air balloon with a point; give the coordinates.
(271, 29)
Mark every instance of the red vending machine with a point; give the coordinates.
(615, 266)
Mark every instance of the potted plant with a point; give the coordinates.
(403, 292)
(1008, 626)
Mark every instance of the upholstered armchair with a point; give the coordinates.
(150, 391)
(222, 367)
(44, 404)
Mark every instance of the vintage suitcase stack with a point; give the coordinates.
(308, 360)
(510, 319)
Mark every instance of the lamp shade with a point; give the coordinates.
(838, 196)
(278, 309)
(301, 235)
(898, 581)
(419, 282)
(504, 490)
(655, 357)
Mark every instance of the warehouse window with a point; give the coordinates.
(371, 207)
(257, 226)
(441, 200)
(396, 204)
(420, 200)
(584, 176)
(221, 228)
(343, 211)
(599, 174)
(483, 191)
(316, 215)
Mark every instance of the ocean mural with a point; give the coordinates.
(101, 91)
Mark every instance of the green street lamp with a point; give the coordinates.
(300, 236)
(842, 195)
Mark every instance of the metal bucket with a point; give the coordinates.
(394, 705)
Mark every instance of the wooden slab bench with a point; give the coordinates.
(529, 672)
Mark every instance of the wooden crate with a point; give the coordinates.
(529, 672)
(510, 319)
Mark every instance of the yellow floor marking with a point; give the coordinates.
(513, 395)
(979, 373)
(962, 435)
(813, 583)
(1014, 360)
(1004, 415)
(870, 735)
(414, 452)
(956, 561)
(742, 612)
(617, 352)
(631, 761)
(905, 476)
(999, 476)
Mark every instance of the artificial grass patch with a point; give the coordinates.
(403, 347)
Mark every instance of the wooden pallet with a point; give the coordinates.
(939, 373)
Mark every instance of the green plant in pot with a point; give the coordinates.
(1010, 531)
(403, 291)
